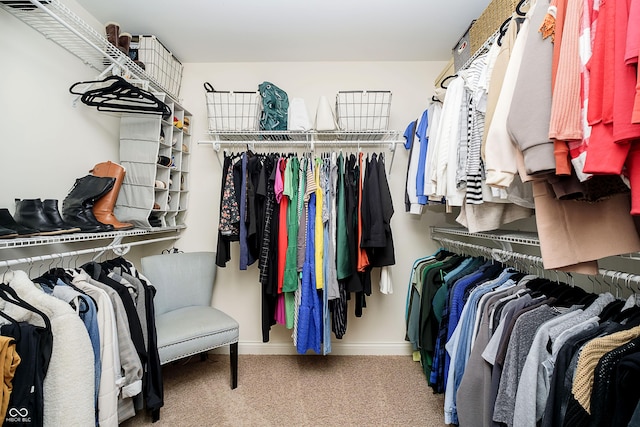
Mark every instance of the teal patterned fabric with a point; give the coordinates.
(275, 105)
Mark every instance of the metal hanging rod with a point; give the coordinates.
(218, 145)
(303, 138)
(533, 261)
(517, 237)
(119, 248)
(618, 276)
(307, 140)
(500, 255)
(505, 238)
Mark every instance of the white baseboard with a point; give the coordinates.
(337, 348)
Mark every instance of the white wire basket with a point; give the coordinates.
(230, 111)
(363, 110)
(159, 62)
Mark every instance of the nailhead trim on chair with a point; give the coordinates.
(195, 352)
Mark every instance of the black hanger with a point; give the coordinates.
(117, 262)
(14, 322)
(611, 311)
(50, 277)
(452, 76)
(633, 316)
(131, 100)
(116, 94)
(9, 294)
(518, 8)
(503, 30)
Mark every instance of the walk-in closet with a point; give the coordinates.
(320, 213)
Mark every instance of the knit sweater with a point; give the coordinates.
(566, 121)
(589, 357)
(531, 396)
(627, 376)
(603, 396)
(519, 345)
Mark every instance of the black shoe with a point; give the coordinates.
(52, 212)
(30, 213)
(7, 221)
(7, 233)
(77, 206)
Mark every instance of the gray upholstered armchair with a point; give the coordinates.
(186, 323)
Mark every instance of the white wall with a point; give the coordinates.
(381, 329)
(47, 143)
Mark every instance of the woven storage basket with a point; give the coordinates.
(489, 22)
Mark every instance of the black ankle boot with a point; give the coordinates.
(7, 233)
(77, 206)
(52, 212)
(7, 221)
(30, 213)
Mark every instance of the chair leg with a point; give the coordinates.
(155, 415)
(204, 356)
(233, 354)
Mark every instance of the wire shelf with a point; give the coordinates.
(306, 136)
(308, 140)
(78, 237)
(532, 263)
(516, 237)
(506, 238)
(59, 24)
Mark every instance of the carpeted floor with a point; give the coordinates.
(297, 391)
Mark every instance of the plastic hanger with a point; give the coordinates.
(503, 30)
(50, 277)
(117, 262)
(452, 76)
(127, 100)
(10, 295)
(519, 10)
(13, 322)
(116, 94)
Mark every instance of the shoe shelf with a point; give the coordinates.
(78, 237)
(116, 245)
(59, 24)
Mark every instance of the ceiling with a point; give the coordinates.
(296, 30)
